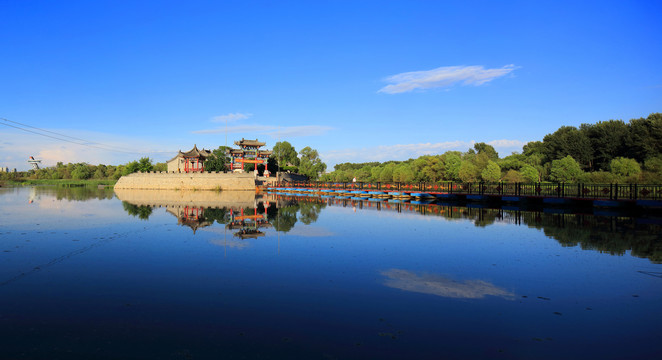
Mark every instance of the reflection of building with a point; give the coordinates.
(248, 152)
(191, 216)
(191, 161)
(248, 225)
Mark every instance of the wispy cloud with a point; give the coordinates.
(443, 286)
(231, 117)
(507, 143)
(273, 131)
(393, 152)
(300, 131)
(237, 129)
(15, 153)
(443, 77)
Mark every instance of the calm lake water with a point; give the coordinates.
(90, 274)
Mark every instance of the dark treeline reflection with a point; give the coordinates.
(615, 235)
(76, 193)
(141, 211)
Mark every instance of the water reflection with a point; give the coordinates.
(249, 215)
(614, 234)
(442, 286)
(391, 281)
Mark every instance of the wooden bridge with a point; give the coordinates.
(609, 195)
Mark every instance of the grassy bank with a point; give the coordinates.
(59, 182)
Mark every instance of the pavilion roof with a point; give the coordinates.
(193, 153)
(245, 142)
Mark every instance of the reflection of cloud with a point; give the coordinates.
(310, 231)
(443, 77)
(49, 212)
(233, 244)
(441, 286)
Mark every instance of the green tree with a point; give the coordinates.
(468, 172)
(491, 173)
(513, 176)
(452, 163)
(145, 164)
(284, 153)
(387, 173)
(160, 166)
(529, 173)
(216, 162)
(625, 167)
(568, 140)
(488, 150)
(403, 173)
(644, 138)
(100, 172)
(310, 164)
(81, 172)
(130, 168)
(607, 141)
(565, 170)
(654, 164)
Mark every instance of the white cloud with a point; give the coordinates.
(237, 129)
(443, 77)
(273, 131)
(300, 131)
(20, 146)
(231, 117)
(393, 152)
(507, 143)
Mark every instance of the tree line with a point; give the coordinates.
(611, 151)
(85, 171)
(284, 157)
(606, 152)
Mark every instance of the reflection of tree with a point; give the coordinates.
(611, 235)
(76, 193)
(285, 219)
(216, 214)
(142, 212)
(310, 212)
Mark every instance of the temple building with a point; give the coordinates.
(248, 152)
(189, 162)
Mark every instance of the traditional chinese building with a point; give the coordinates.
(248, 152)
(188, 162)
(191, 216)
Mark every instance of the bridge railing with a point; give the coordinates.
(563, 190)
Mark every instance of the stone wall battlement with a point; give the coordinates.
(183, 181)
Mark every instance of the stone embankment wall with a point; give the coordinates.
(177, 198)
(192, 181)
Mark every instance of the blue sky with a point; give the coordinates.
(356, 80)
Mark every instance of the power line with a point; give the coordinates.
(61, 136)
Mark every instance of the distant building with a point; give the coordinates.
(190, 161)
(248, 152)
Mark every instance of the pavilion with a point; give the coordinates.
(248, 152)
(189, 162)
